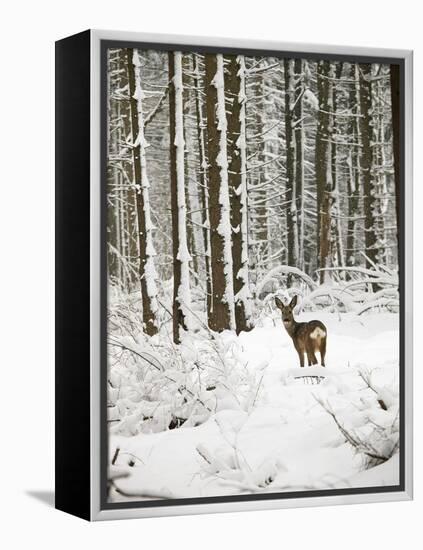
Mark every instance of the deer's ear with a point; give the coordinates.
(279, 304)
(293, 302)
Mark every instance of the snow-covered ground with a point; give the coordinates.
(285, 440)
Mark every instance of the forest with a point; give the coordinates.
(232, 180)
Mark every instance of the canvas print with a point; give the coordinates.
(253, 306)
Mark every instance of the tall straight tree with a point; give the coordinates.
(113, 214)
(323, 165)
(299, 158)
(222, 315)
(147, 270)
(201, 136)
(237, 181)
(366, 164)
(336, 249)
(127, 172)
(353, 181)
(290, 195)
(181, 256)
(395, 105)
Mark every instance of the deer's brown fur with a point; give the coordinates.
(308, 338)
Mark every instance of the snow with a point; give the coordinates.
(280, 438)
(311, 99)
(283, 269)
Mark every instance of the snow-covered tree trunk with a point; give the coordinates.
(127, 173)
(379, 166)
(123, 219)
(181, 256)
(395, 106)
(323, 166)
(353, 181)
(290, 194)
(237, 180)
(203, 179)
(337, 248)
(113, 214)
(113, 224)
(147, 270)
(299, 159)
(194, 221)
(366, 164)
(222, 315)
(260, 198)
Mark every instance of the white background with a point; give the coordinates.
(28, 32)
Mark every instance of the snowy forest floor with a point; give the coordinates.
(286, 441)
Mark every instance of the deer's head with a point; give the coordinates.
(287, 310)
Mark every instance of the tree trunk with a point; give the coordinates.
(237, 180)
(354, 180)
(148, 275)
(337, 249)
(366, 164)
(181, 257)
(222, 314)
(203, 180)
(396, 108)
(290, 195)
(299, 160)
(128, 175)
(113, 248)
(323, 163)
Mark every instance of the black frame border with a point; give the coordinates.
(72, 275)
(104, 504)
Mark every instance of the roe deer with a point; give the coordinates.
(307, 337)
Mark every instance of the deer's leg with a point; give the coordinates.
(300, 355)
(312, 360)
(323, 351)
(309, 355)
